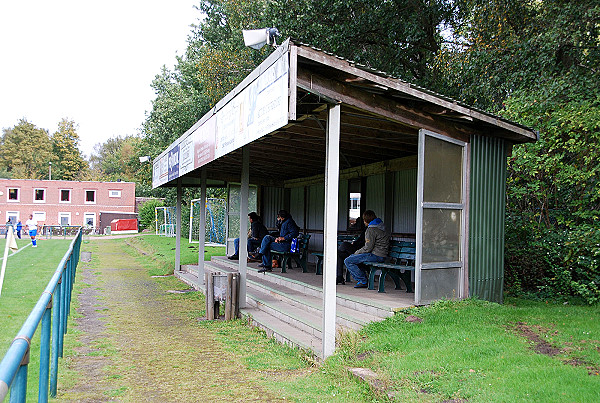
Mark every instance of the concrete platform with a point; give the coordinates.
(288, 306)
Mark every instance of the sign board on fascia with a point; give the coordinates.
(255, 108)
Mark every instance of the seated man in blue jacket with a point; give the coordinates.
(289, 230)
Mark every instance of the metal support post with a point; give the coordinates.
(202, 229)
(330, 225)
(243, 244)
(178, 227)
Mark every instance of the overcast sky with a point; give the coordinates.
(88, 61)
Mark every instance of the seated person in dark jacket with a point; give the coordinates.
(289, 230)
(255, 236)
(348, 248)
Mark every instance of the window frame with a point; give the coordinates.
(117, 195)
(85, 200)
(85, 217)
(60, 191)
(62, 214)
(35, 190)
(37, 214)
(17, 200)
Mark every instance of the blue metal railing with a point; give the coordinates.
(55, 301)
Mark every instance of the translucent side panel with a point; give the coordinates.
(443, 171)
(233, 224)
(441, 235)
(440, 283)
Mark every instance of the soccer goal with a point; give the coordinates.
(165, 220)
(215, 221)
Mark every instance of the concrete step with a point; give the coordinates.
(290, 280)
(283, 332)
(345, 316)
(289, 306)
(307, 321)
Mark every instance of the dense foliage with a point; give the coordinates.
(25, 152)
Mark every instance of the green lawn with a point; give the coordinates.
(471, 351)
(27, 275)
(162, 249)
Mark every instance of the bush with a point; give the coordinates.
(561, 264)
(146, 213)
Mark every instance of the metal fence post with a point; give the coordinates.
(63, 314)
(55, 344)
(18, 389)
(45, 353)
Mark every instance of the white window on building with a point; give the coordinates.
(114, 193)
(64, 218)
(13, 216)
(13, 194)
(39, 195)
(89, 219)
(39, 216)
(90, 197)
(65, 195)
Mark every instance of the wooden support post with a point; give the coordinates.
(210, 298)
(228, 297)
(235, 306)
(217, 310)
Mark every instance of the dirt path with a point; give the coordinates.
(140, 343)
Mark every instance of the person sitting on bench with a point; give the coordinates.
(289, 230)
(377, 242)
(255, 236)
(348, 248)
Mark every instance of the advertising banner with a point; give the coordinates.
(257, 110)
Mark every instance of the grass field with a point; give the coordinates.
(461, 351)
(27, 275)
(452, 351)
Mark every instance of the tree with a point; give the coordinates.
(26, 151)
(70, 164)
(400, 37)
(116, 159)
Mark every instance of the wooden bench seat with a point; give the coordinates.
(299, 257)
(402, 263)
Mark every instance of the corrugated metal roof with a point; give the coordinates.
(411, 85)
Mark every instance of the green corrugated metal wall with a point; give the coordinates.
(486, 218)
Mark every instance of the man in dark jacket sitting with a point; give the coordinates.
(255, 236)
(377, 241)
(289, 230)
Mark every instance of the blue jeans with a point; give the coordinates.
(353, 261)
(269, 243)
(252, 245)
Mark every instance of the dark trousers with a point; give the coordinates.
(344, 250)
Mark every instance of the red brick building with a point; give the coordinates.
(64, 202)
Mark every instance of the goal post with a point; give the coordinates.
(215, 210)
(165, 221)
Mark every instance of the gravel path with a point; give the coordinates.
(138, 342)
